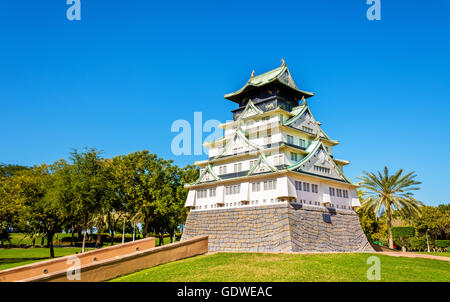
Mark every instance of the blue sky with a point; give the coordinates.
(117, 79)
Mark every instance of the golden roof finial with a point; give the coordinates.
(304, 101)
(253, 74)
(283, 63)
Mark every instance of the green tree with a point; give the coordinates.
(39, 210)
(139, 178)
(9, 199)
(10, 205)
(403, 233)
(386, 193)
(63, 194)
(90, 186)
(7, 170)
(435, 220)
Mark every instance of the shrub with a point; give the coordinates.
(417, 244)
(442, 243)
(403, 231)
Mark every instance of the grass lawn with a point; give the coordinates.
(445, 254)
(235, 267)
(16, 257)
(21, 256)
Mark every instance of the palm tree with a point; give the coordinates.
(386, 193)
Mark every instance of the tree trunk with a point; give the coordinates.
(134, 231)
(42, 241)
(79, 233)
(403, 245)
(112, 236)
(145, 229)
(72, 240)
(50, 244)
(123, 231)
(85, 234)
(172, 236)
(99, 234)
(389, 225)
(33, 242)
(161, 239)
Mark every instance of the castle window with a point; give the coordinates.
(252, 163)
(237, 167)
(306, 187)
(315, 188)
(278, 159)
(345, 193)
(231, 190)
(307, 129)
(222, 170)
(256, 186)
(294, 156)
(202, 193)
(298, 185)
(212, 192)
(321, 169)
(290, 139)
(332, 192)
(270, 184)
(302, 143)
(339, 192)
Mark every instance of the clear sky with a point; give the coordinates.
(117, 79)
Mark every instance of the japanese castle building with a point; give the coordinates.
(272, 182)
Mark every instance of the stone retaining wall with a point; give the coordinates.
(278, 228)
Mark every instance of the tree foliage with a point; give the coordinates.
(386, 193)
(90, 192)
(403, 232)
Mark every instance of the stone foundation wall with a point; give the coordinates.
(278, 228)
(324, 230)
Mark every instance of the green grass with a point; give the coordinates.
(16, 257)
(445, 254)
(21, 256)
(23, 239)
(235, 267)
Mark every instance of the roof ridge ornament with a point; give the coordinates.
(304, 101)
(283, 63)
(253, 74)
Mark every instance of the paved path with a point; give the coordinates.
(415, 255)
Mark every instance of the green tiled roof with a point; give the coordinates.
(266, 78)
